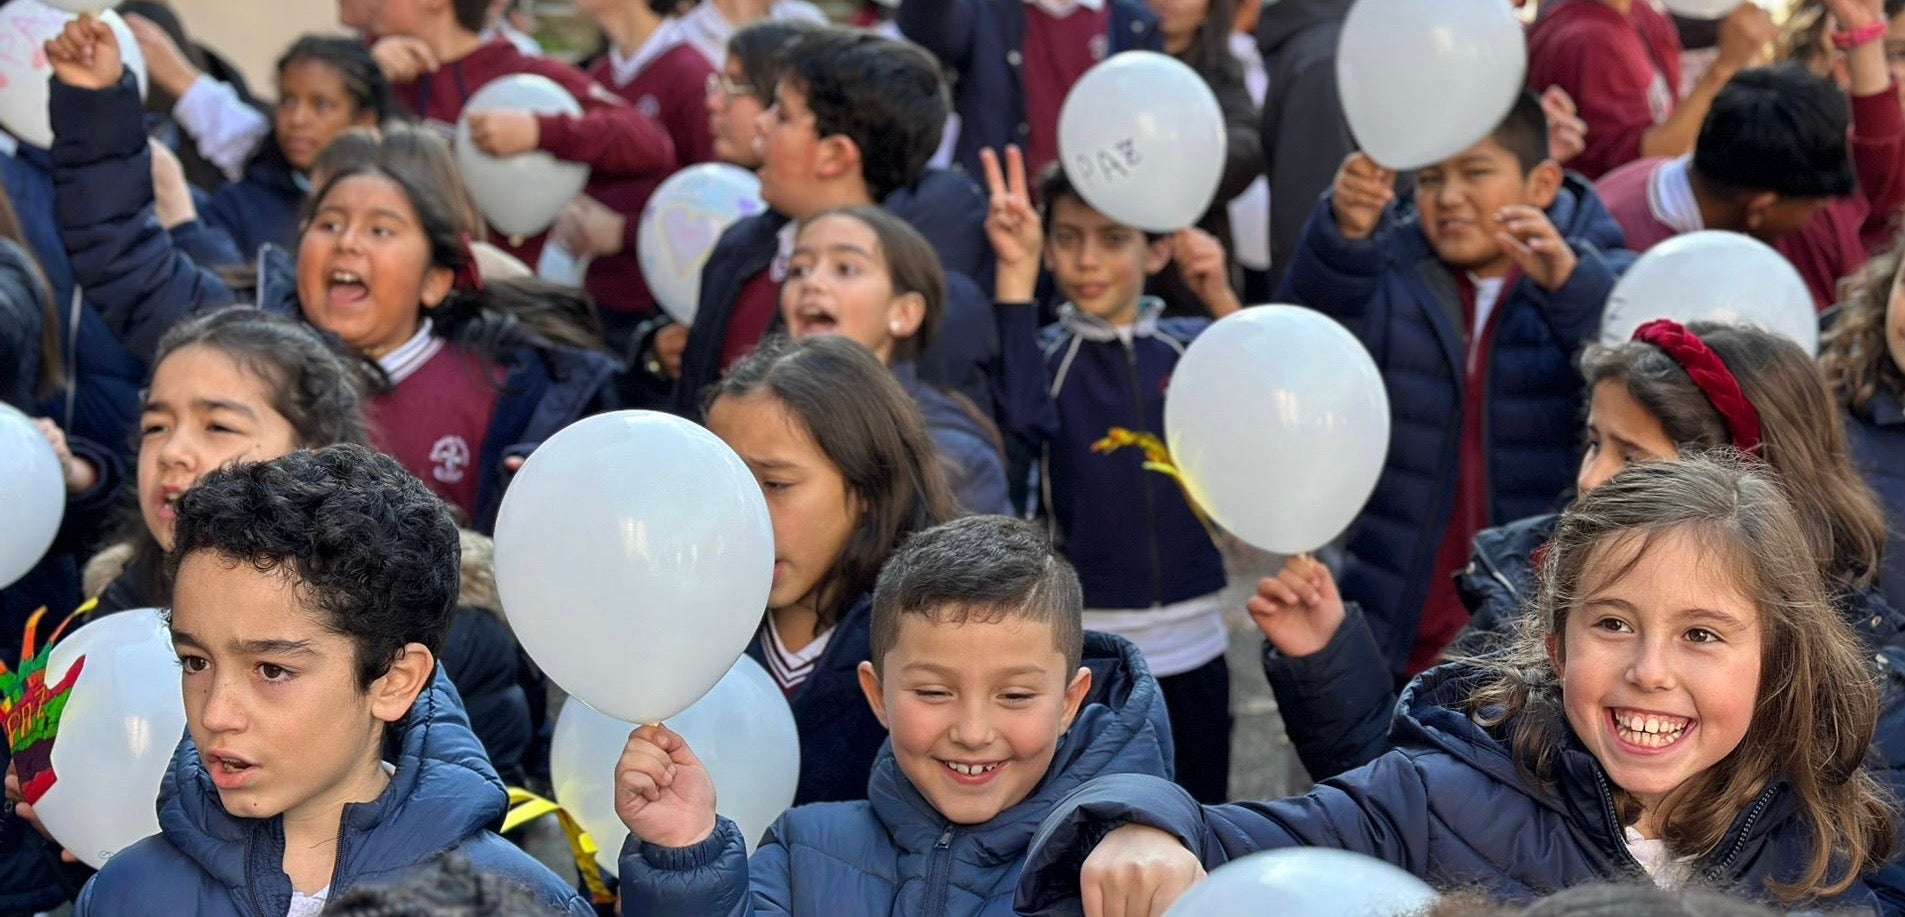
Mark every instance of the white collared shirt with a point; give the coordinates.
(1062, 8)
(709, 31)
(402, 363)
(1670, 197)
(624, 70)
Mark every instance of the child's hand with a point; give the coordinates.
(1536, 246)
(662, 792)
(402, 58)
(504, 133)
(1012, 226)
(1298, 610)
(1201, 262)
(166, 64)
(80, 474)
(171, 194)
(1853, 15)
(25, 813)
(670, 343)
(1744, 35)
(1136, 869)
(590, 229)
(1567, 133)
(1363, 190)
(85, 54)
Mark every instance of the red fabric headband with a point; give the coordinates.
(1710, 375)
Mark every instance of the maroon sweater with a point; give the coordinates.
(1057, 52)
(616, 141)
(1835, 242)
(672, 90)
(1621, 71)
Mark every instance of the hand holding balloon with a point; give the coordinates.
(1206, 270)
(1529, 237)
(85, 55)
(1363, 190)
(1298, 610)
(1136, 869)
(505, 133)
(1567, 133)
(23, 810)
(80, 475)
(662, 792)
(1012, 226)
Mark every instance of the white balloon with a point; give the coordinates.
(742, 730)
(24, 69)
(33, 490)
(520, 195)
(1305, 882)
(1278, 420)
(1713, 276)
(1702, 9)
(634, 557)
(122, 723)
(680, 224)
(1422, 80)
(82, 6)
(1142, 139)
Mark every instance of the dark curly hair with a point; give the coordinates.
(449, 887)
(375, 551)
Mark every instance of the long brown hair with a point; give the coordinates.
(868, 427)
(1818, 696)
(1803, 437)
(1856, 360)
(52, 371)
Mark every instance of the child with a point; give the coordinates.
(864, 274)
(1014, 61)
(1685, 705)
(1472, 306)
(614, 140)
(1864, 350)
(312, 592)
(998, 707)
(854, 122)
(711, 24)
(1150, 569)
(848, 473)
(1663, 396)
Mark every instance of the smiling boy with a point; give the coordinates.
(998, 705)
(311, 593)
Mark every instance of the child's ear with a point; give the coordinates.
(1557, 659)
(1157, 255)
(839, 157)
(1075, 694)
(904, 315)
(436, 286)
(1755, 208)
(1544, 183)
(875, 692)
(393, 693)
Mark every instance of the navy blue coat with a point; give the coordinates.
(838, 733)
(1448, 805)
(1129, 532)
(983, 43)
(443, 798)
(1403, 304)
(1878, 449)
(969, 454)
(894, 853)
(261, 208)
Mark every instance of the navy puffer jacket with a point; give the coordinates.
(895, 854)
(262, 208)
(443, 798)
(1448, 805)
(1403, 304)
(1877, 434)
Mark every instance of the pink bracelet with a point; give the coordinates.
(1845, 41)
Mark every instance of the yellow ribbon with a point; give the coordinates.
(1157, 457)
(525, 807)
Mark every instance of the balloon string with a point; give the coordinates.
(1157, 457)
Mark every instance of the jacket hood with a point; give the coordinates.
(442, 793)
(1283, 19)
(1121, 728)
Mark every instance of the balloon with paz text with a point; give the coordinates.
(680, 224)
(1278, 421)
(634, 557)
(742, 730)
(1422, 80)
(25, 26)
(520, 195)
(122, 719)
(1306, 882)
(1713, 276)
(1142, 139)
(33, 492)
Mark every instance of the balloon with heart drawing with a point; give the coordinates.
(681, 224)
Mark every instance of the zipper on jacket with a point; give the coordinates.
(1497, 575)
(1624, 854)
(1150, 500)
(1721, 866)
(939, 873)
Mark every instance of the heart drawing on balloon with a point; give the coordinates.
(689, 234)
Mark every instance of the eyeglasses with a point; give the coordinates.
(719, 83)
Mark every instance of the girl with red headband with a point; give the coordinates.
(1670, 393)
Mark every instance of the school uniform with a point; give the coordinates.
(1653, 201)
(1621, 71)
(894, 853)
(263, 206)
(1450, 805)
(707, 31)
(839, 736)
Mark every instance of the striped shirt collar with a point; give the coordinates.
(402, 363)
